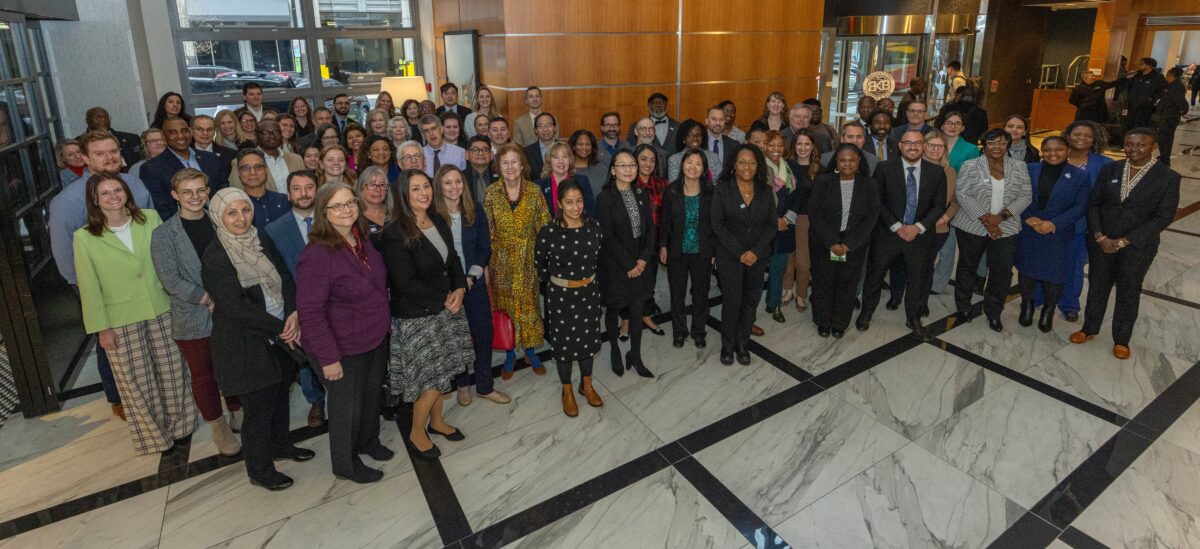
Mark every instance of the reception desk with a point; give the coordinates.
(1051, 110)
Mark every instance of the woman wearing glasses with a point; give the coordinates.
(958, 150)
(343, 313)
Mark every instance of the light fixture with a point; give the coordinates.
(403, 88)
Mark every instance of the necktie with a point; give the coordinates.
(437, 162)
(308, 224)
(717, 147)
(881, 147)
(910, 197)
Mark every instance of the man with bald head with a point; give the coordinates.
(279, 163)
(912, 193)
(157, 172)
(131, 145)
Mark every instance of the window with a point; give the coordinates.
(314, 49)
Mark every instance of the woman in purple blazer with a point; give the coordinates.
(344, 319)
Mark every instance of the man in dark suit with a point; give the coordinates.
(1131, 204)
(914, 113)
(204, 128)
(881, 143)
(912, 195)
(290, 235)
(664, 126)
(479, 171)
(158, 171)
(720, 144)
(546, 128)
(131, 145)
(450, 102)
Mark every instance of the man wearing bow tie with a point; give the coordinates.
(664, 126)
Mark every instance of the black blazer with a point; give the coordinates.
(891, 177)
(158, 171)
(728, 145)
(226, 156)
(798, 200)
(533, 153)
(419, 277)
(1149, 208)
(825, 212)
(893, 147)
(620, 251)
(739, 227)
(673, 221)
(241, 326)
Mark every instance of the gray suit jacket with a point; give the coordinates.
(973, 188)
(178, 269)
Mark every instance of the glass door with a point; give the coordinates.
(854, 58)
(952, 47)
(902, 59)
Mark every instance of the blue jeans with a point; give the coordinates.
(775, 272)
(945, 263)
(311, 386)
(106, 376)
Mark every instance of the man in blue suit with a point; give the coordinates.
(158, 171)
(290, 235)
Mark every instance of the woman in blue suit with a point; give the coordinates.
(1085, 140)
(1060, 196)
(453, 201)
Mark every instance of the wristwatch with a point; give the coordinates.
(1121, 243)
(1004, 215)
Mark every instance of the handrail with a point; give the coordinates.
(1075, 70)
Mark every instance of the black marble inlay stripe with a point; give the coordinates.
(1028, 531)
(1172, 299)
(748, 417)
(1078, 490)
(177, 456)
(1037, 385)
(1075, 538)
(534, 518)
(1177, 231)
(752, 527)
(80, 392)
(769, 356)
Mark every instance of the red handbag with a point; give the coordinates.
(504, 333)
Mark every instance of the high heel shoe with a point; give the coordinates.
(510, 362)
(618, 367)
(634, 362)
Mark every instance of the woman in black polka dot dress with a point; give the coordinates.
(566, 254)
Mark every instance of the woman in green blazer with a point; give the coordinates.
(126, 305)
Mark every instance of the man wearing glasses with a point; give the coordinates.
(279, 163)
(158, 172)
(268, 205)
(479, 166)
(437, 151)
(914, 113)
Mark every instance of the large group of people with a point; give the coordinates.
(386, 260)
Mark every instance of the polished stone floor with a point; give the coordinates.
(1012, 439)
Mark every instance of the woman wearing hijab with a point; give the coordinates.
(254, 319)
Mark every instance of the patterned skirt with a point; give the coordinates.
(428, 352)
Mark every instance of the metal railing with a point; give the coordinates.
(1049, 76)
(1075, 70)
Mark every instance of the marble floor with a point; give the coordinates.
(1012, 439)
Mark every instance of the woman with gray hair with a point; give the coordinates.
(372, 188)
(398, 130)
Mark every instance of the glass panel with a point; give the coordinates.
(238, 13)
(945, 50)
(41, 162)
(352, 62)
(900, 55)
(8, 132)
(8, 52)
(34, 40)
(218, 66)
(365, 13)
(12, 176)
(27, 107)
(835, 89)
(859, 62)
(35, 238)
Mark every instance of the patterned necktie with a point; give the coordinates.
(308, 224)
(437, 162)
(910, 197)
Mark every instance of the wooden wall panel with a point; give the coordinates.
(624, 16)
(583, 60)
(756, 56)
(751, 15)
(748, 96)
(493, 61)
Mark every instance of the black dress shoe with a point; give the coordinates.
(1046, 322)
(964, 316)
(656, 331)
(995, 325)
(618, 367)
(274, 482)
(380, 453)
(1026, 317)
(453, 436)
(634, 362)
(677, 342)
(823, 331)
(838, 333)
(726, 356)
(362, 474)
(1071, 316)
(864, 322)
(893, 304)
(295, 454)
(921, 333)
(924, 311)
(700, 343)
(743, 355)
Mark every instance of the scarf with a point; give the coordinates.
(254, 268)
(782, 174)
(1017, 149)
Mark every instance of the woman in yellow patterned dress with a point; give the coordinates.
(516, 212)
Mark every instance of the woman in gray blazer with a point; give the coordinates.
(175, 249)
(992, 191)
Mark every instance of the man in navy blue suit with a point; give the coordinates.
(157, 172)
(290, 235)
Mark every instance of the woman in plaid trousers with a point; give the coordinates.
(124, 302)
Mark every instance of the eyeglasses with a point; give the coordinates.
(343, 207)
(545, 126)
(479, 150)
(155, 141)
(624, 166)
(915, 111)
(935, 146)
(912, 143)
(375, 186)
(952, 123)
(412, 157)
(252, 167)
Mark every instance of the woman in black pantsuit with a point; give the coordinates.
(623, 210)
(744, 222)
(566, 255)
(685, 245)
(838, 237)
(254, 315)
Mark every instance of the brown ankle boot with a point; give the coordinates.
(585, 389)
(568, 398)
